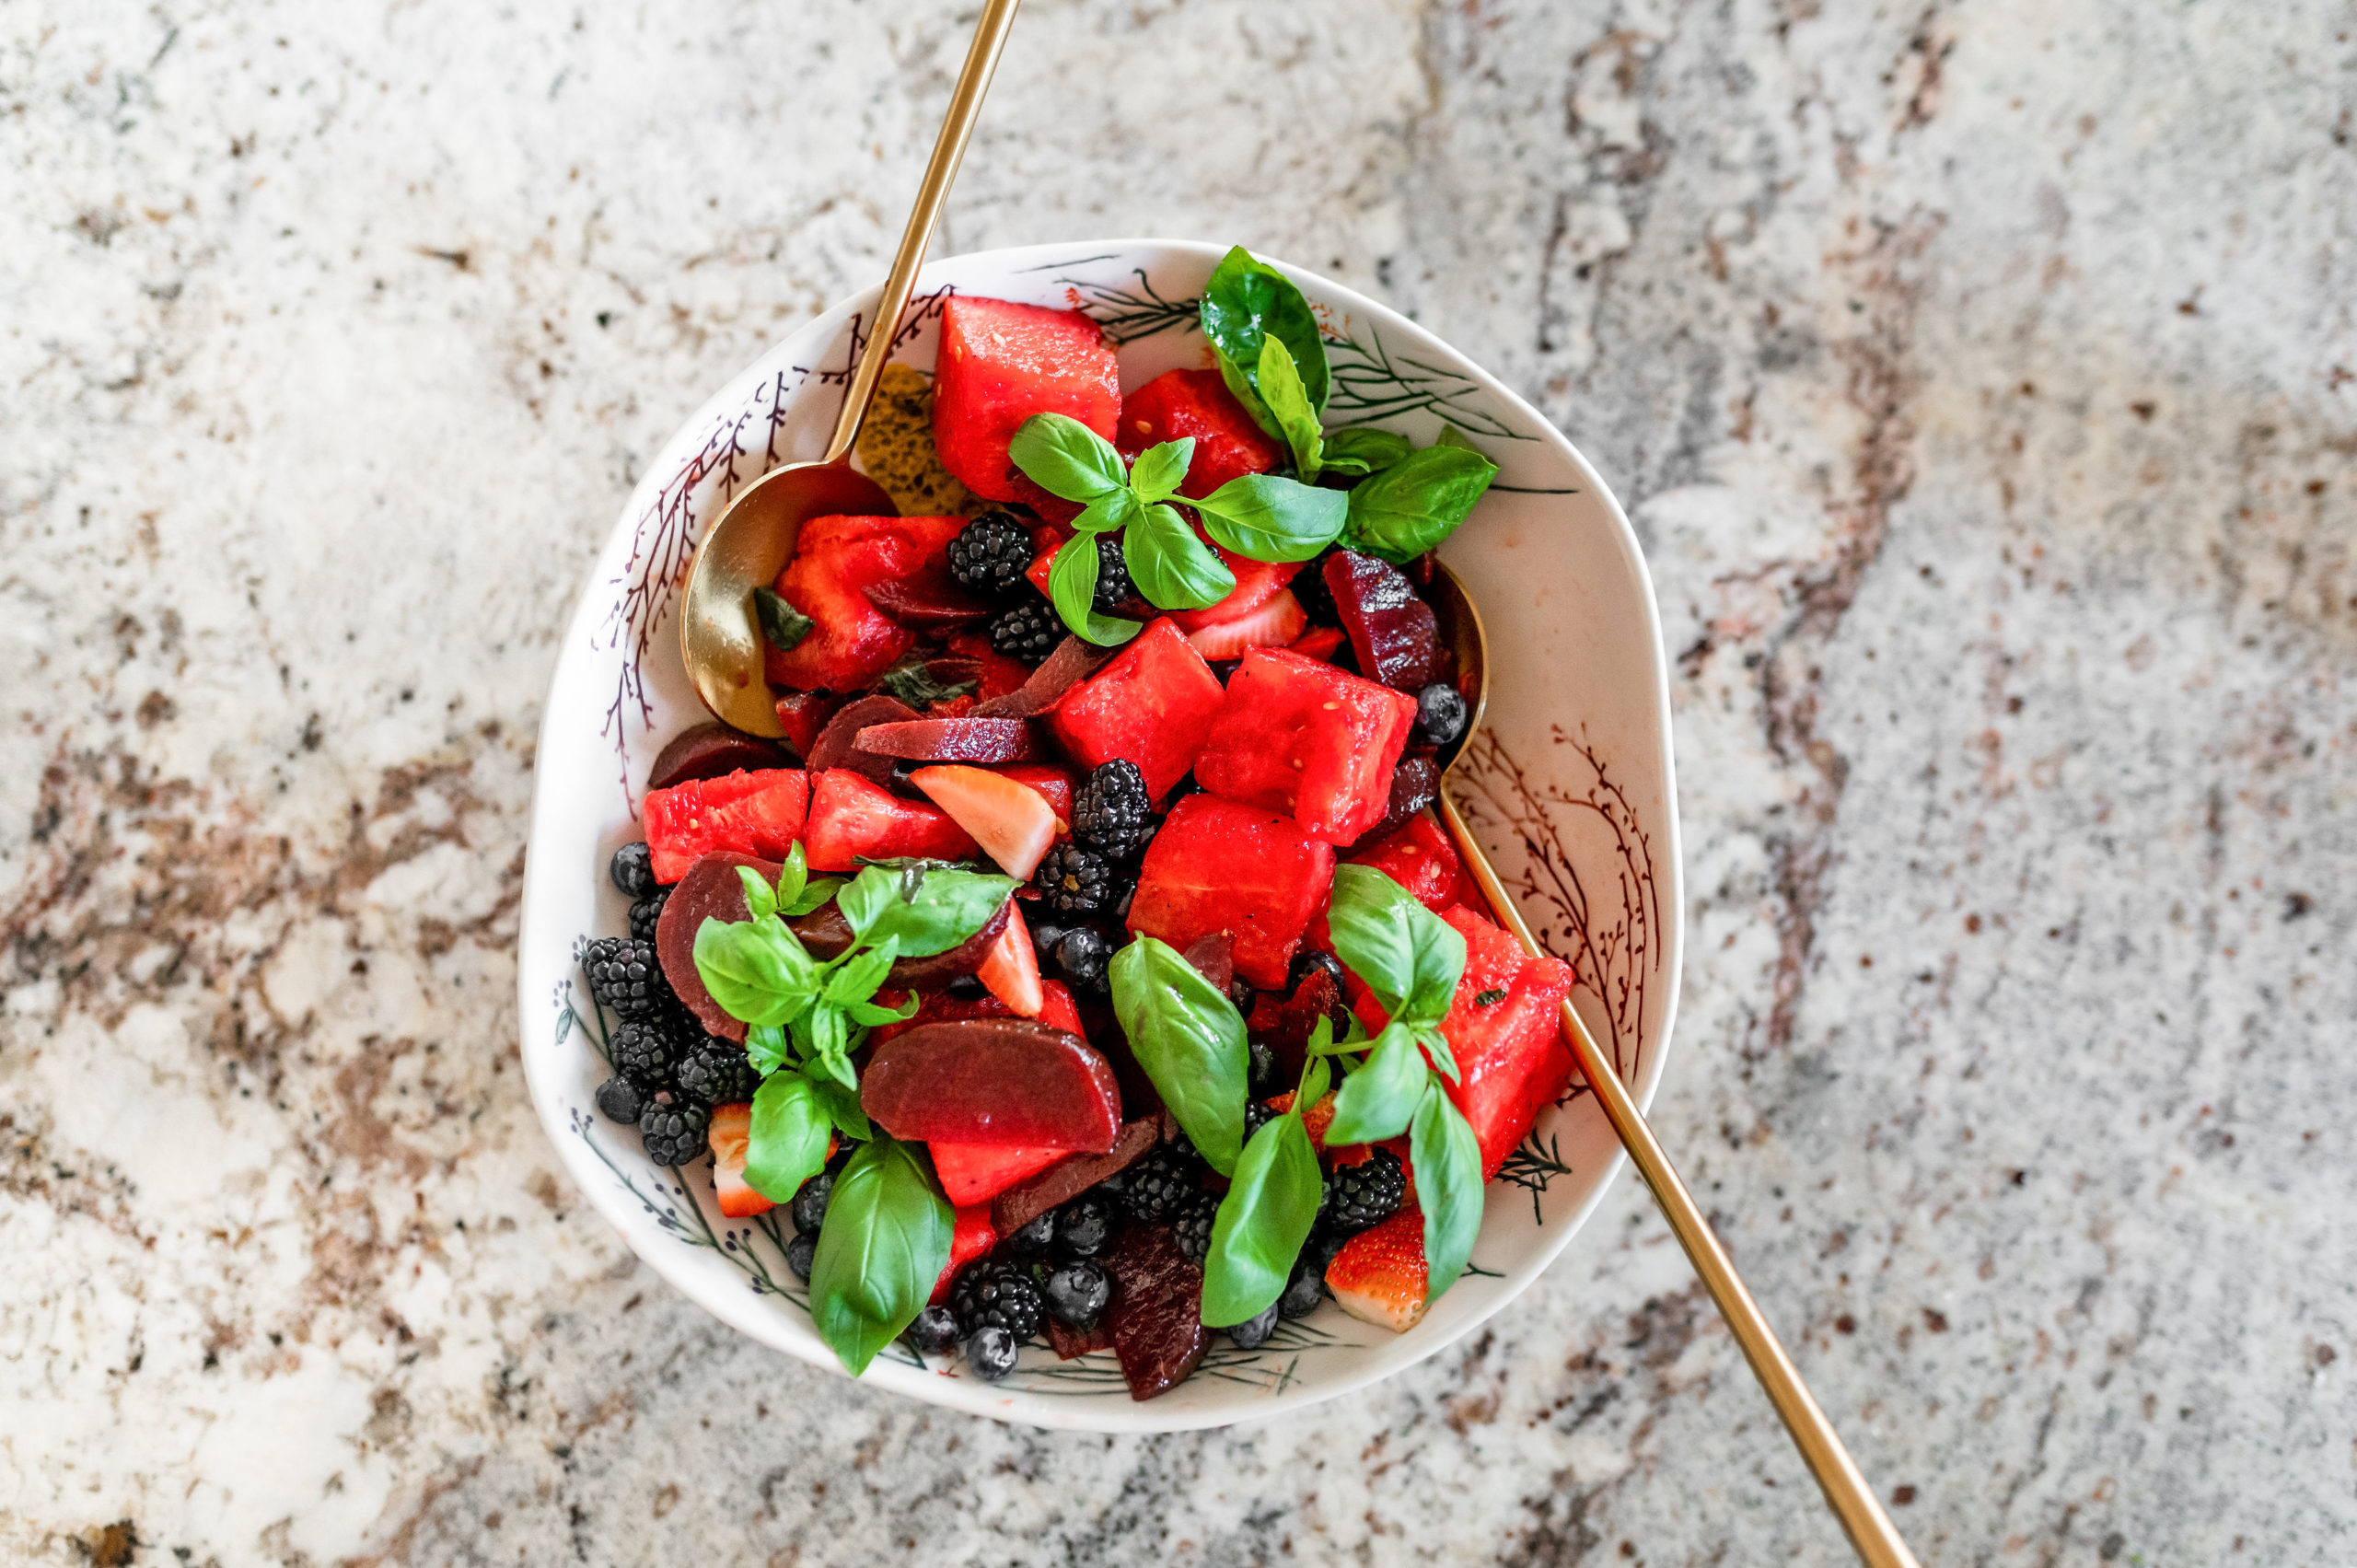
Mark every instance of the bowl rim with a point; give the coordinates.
(751, 1314)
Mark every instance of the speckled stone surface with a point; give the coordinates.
(1980, 379)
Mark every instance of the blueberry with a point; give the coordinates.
(1077, 1294)
(1253, 1332)
(1083, 1226)
(809, 1207)
(632, 870)
(1044, 939)
(1441, 712)
(1082, 956)
(1239, 991)
(800, 1253)
(1033, 1239)
(1304, 1291)
(1262, 1074)
(935, 1333)
(990, 1352)
(620, 1100)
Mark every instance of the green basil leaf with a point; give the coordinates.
(1240, 388)
(787, 1144)
(1451, 437)
(1409, 957)
(832, 1065)
(856, 976)
(1263, 1222)
(1245, 300)
(1159, 470)
(1447, 1159)
(883, 1244)
(1268, 517)
(1172, 568)
(841, 1105)
(794, 877)
(1376, 1101)
(926, 911)
(1436, 1046)
(783, 625)
(1113, 510)
(1066, 458)
(1072, 587)
(1317, 1074)
(761, 898)
(909, 681)
(765, 1046)
(1279, 386)
(872, 1013)
(755, 969)
(1363, 449)
(1412, 506)
(816, 891)
(1189, 1039)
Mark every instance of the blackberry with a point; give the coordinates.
(673, 1129)
(1240, 991)
(619, 1099)
(717, 1072)
(994, 1294)
(1192, 1228)
(632, 870)
(1158, 1186)
(1034, 1239)
(648, 1051)
(934, 1332)
(1073, 881)
(1083, 954)
(1259, 1075)
(624, 975)
(1308, 586)
(991, 553)
(1084, 1226)
(1441, 714)
(1110, 810)
(801, 1253)
(647, 911)
(1029, 631)
(991, 1353)
(808, 1209)
(1253, 1332)
(1257, 1115)
(1078, 1292)
(1363, 1194)
(1114, 588)
(1044, 937)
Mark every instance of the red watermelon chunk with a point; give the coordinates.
(1220, 867)
(835, 560)
(1001, 363)
(1152, 703)
(972, 1235)
(1180, 404)
(749, 813)
(1419, 857)
(851, 818)
(975, 1173)
(1300, 737)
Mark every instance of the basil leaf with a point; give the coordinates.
(1189, 1039)
(1363, 449)
(1263, 1222)
(1436, 1046)
(765, 1048)
(1114, 509)
(783, 625)
(828, 1062)
(760, 900)
(883, 1244)
(909, 681)
(1409, 957)
(1376, 1101)
(855, 978)
(1317, 1072)
(1172, 568)
(1280, 390)
(794, 877)
(1072, 587)
(872, 1013)
(755, 969)
(1159, 470)
(815, 893)
(1418, 501)
(1268, 517)
(1066, 458)
(787, 1143)
(1246, 301)
(926, 911)
(1451, 437)
(1447, 1159)
(843, 1108)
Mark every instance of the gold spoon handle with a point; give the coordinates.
(1870, 1529)
(956, 126)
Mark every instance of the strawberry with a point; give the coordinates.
(730, 1130)
(1010, 970)
(1012, 822)
(1275, 624)
(1379, 1275)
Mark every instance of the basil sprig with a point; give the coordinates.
(783, 626)
(914, 684)
(1416, 500)
(1266, 1214)
(1189, 1039)
(882, 1246)
(1411, 959)
(1247, 303)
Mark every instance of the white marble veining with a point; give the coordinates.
(1983, 379)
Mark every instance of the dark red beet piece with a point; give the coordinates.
(1157, 1309)
(1071, 1343)
(929, 599)
(802, 715)
(836, 744)
(711, 891)
(1073, 662)
(1285, 1024)
(1000, 1081)
(826, 934)
(1213, 957)
(1415, 784)
(1394, 633)
(711, 750)
(962, 739)
(1067, 1179)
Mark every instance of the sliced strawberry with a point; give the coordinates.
(1379, 1275)
(972, 1236)
(1012, 821)
(759, 814)
(1152, 704)
(1275, 625)
(731, 1130)
(1257, 582)
(975, 1173)
(1011, 971)
(1046, 539)
(851, 820)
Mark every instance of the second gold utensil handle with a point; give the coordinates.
(1860, 1513)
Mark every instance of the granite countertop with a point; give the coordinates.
(1982, 380)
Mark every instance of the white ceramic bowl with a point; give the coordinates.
(1570, 787)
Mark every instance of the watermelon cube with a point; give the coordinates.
(852, 819)
(835, 560)
(1053, 785)
(1152, 703)
(972, 1174)
(1419, 857)
(1001, 363)
(1181, 403)
(1302, 737)
(1220, 867)
(760, 813)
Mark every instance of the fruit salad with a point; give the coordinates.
(1085, 963)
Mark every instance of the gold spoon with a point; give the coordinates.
(750, 541)
(1877, 1543)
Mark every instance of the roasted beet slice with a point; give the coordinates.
(1073, 662)
(1071, 1343)
(1157, 1309)
(711, 891)
(929, 599)
(962, 739)
(802, 715)
(1215, 958)
(1008, 1081)
(1060, 1183)
(1285, 1024)
(1415, 784)
(836, 746)
(711, 751)
(1394, 632)
(826, 933)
